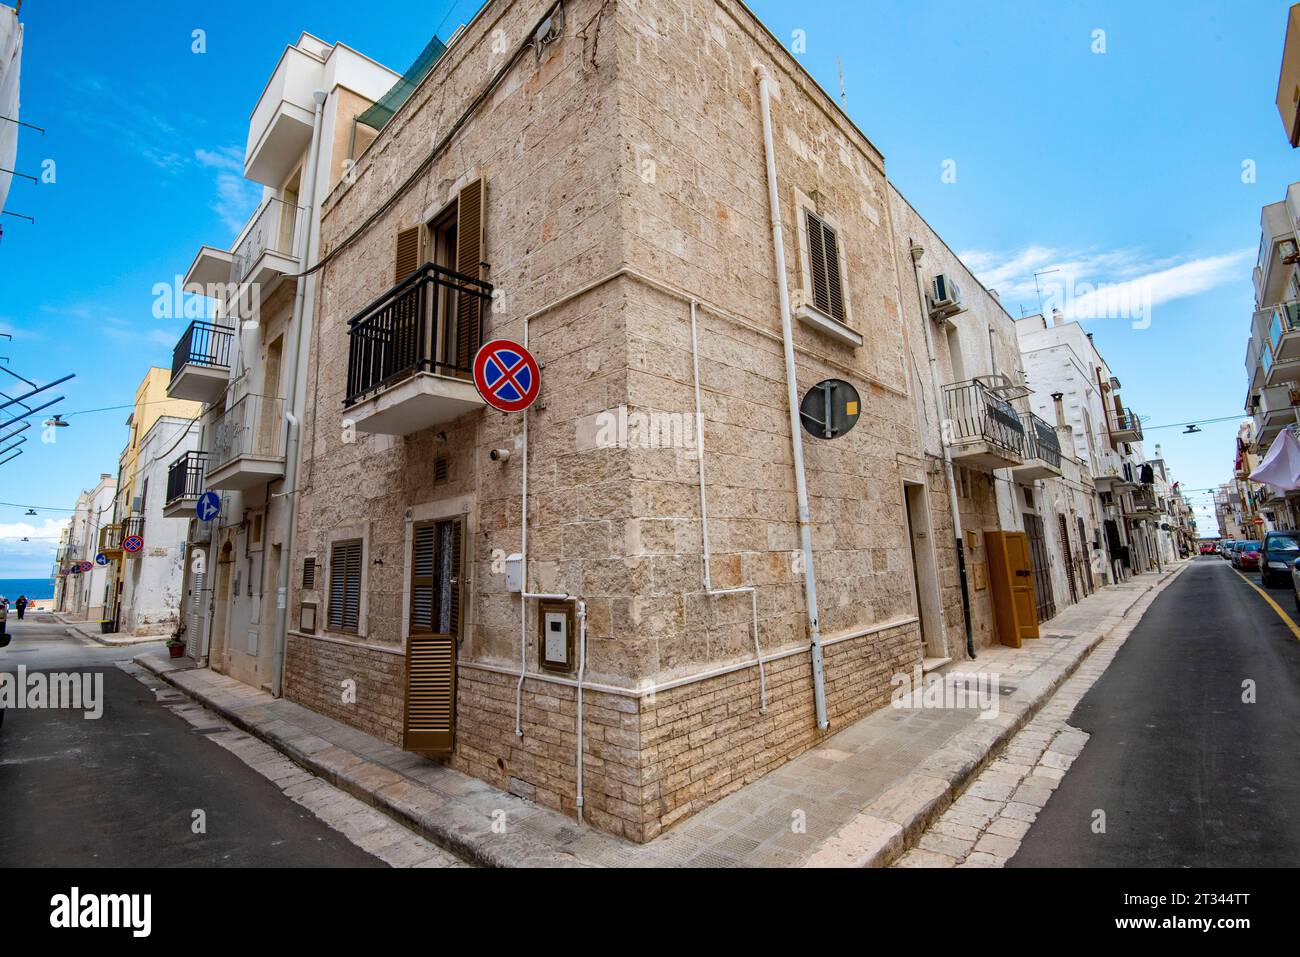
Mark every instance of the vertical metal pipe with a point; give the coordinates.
(796, 436)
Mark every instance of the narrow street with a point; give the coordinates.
(1186, 773)
(123, 789)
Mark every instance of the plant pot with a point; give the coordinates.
(176, 650)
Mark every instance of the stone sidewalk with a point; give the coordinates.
(91, 630)
(863, 797)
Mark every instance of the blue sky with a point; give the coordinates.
(1123, 165)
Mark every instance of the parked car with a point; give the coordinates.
(1277, 556)
(1209, 548)
(1246, 556)
(1225, 548)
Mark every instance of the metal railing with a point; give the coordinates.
(1123, 420)
(431, 321)
(975, 413)
(1144, 500)
(1285, 318)
(133, 526)
(1041, 440)
(110, 538)
(251, 426)
(185, 476)
(274, 229)
(203, 344)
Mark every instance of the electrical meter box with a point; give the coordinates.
(555, 635)
(515, 573)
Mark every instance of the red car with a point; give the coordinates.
(1208, 548)
(1247, 557)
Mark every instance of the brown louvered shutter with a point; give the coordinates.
(423, 549)
(469, 262)
(824, 264)
(430, 723)
(407, 258)
(345, 586)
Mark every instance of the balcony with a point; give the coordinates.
(1280, 356)
(184, 484)
(1124, 425)
(279, 131)
(246, 448)
(982, 427)
(1042, 450)
(110, 540)
(1143, 504)
(267, 250)
(410, 352)
(1273, 412)
(209, 272)
(201, 362)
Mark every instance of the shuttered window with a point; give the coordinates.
(308, 574)
(407, 259)
(345, 586)
(824, 265)
(469, 262)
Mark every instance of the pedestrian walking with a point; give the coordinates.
(21, 605)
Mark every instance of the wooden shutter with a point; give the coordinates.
(407, 257)
(469, 262)
(824, 265)
(308, 574)
(345, 586)
(430, 722)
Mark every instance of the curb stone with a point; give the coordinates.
(958, 764)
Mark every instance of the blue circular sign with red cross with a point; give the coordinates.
(132, 543)
(506, 375)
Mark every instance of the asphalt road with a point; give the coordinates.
(1186, 773)
(121, 790)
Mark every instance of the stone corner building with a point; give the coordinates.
(603, 196)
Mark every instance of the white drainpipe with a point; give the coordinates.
(704, 520)
(293, 425)
(792, 394)
(917, 251)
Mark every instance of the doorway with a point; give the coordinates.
(1042, 571)
(221, 611)
(1067, 552)
(925, 578)
(429, 724)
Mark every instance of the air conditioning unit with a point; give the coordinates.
(944, 299)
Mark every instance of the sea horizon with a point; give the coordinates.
(33, 588)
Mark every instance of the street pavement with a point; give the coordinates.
(1178, 769)
(158, 781)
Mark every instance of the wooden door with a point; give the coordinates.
(435, 619)
(1011, 585)
(1068, 554)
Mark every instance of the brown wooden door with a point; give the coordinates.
(435, 616)
(1044, 598)
(1068, 554)
(1011, 584)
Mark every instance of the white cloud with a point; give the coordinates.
(32, 558)
(236, 200)
(1100, 283)
(229, 158)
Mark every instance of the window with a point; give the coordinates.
(345, 585)
(309, 574)
(824, 265)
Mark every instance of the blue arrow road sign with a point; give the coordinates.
(101, 559)
(208, 507)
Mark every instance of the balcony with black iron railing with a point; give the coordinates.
(184, 484)
(982, 428)
(201, 362)
(1042, 449)
(411, 351)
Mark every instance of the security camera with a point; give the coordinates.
(499, 455)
